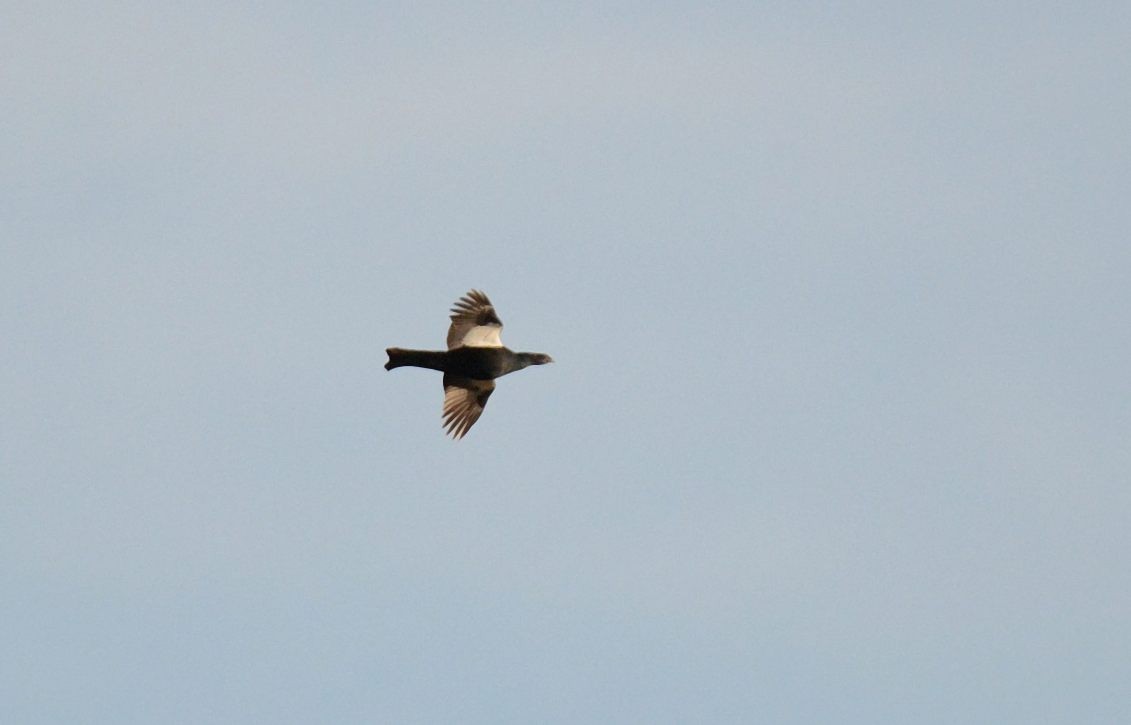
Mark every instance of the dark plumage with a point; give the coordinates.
(474, 358)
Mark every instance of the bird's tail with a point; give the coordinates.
(399, 358)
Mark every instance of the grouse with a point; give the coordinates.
(474, 358)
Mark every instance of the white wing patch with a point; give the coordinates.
(483, 336)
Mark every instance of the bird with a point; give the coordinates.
(474, 359)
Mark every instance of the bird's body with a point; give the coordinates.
(474, 359)
(478, 363)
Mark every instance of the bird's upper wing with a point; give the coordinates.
(474, 322)
(464, 400)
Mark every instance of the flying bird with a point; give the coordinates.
(474, 358)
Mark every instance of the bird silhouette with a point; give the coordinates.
(474, 359)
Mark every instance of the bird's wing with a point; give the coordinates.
(474, 322)
(464, 400)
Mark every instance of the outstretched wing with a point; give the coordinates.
(474, 322)
(464, 400)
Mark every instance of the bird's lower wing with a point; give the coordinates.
(464, 400)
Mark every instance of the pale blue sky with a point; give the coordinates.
(838, 430)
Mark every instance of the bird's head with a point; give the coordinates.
(538, 358)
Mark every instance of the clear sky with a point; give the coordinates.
(839, 428)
